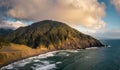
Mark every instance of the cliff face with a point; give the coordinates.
(52, 35)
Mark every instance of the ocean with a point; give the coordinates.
(105, 58)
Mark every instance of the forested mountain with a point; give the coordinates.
(52, 34)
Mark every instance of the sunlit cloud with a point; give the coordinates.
(12, 25)
(116, 3)
(86, 13)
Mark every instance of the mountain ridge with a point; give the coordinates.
(48, 32)
(42, 37)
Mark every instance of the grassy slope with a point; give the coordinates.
(15, 52)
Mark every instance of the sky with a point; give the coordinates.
(99, 18)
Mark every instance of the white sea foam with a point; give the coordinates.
(66, 52)
(92, 48)
(46, 64)
(49, 54)
(22, 63)
(36, 60)
(58, 62)
(72, 51)
(7, 67)
(107, 46)
(47, 67)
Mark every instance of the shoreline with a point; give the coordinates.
(43, 52)
(39, 53)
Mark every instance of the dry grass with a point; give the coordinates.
(15, 52)
(16, 47)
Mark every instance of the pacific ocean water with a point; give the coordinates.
(105, 58)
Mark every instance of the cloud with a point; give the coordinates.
(4, 6)
(116, 3)
(12, 25)
(109, 34)
(87, 13)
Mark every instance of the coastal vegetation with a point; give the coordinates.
(41, 37)
(54, 33)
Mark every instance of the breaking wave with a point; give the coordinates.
(37, 62)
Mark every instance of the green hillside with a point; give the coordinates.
(4, 32)
(48, 32)
(3, 42)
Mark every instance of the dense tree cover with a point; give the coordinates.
(46, 32)
(4, 32)
(3, 42)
